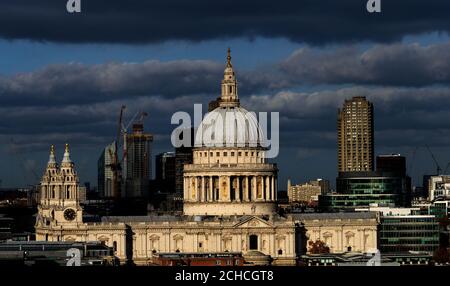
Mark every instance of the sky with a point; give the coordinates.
(63, 77)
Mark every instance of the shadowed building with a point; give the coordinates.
(165, 172)
(138, 162)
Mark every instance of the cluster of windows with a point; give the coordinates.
(336, 201)
(371, 186)
(225, 154)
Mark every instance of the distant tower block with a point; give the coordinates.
(355, 136)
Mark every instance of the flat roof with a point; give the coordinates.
(348, 215)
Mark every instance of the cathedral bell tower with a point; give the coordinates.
(59, 193)
(229, 95)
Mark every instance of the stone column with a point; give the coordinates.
(267, 188)
(210, 189)
(194, 190)
(273, 189)
(237, 196)
(203, 194)
(260, 187)
(253, 196)
(219, 195)
(229, 189)
(185, 193)
(214, 190)
(245, 190)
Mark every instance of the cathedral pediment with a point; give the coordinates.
(253, 222)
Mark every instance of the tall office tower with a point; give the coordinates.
(355, 135)
(105, 173)
(138, 163)
(165, 172)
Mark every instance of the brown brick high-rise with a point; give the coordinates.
(355, 135)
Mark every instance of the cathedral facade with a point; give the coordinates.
(229, 202)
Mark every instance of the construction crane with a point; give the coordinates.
(115, 164)
(438, 168)
(118, 165)
(141, 115)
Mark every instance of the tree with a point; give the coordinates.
(318, 247)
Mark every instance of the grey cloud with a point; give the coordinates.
(137, 22)
(74, 83)
(397, 64)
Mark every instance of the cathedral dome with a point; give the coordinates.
(229, 126)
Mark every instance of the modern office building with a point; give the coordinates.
(403, 230)
(355, 135)
(105, 172)
(165, 172)
(359, 189)
(137, 163)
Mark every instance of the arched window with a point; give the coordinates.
(253, 242)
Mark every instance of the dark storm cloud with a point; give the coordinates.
(71, 83)
(74, 83)
(85, 99)
(137, 21)
(77, 83)
(398, 64)
(32, 123)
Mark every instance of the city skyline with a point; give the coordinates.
(201, 133)
(69, 89)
